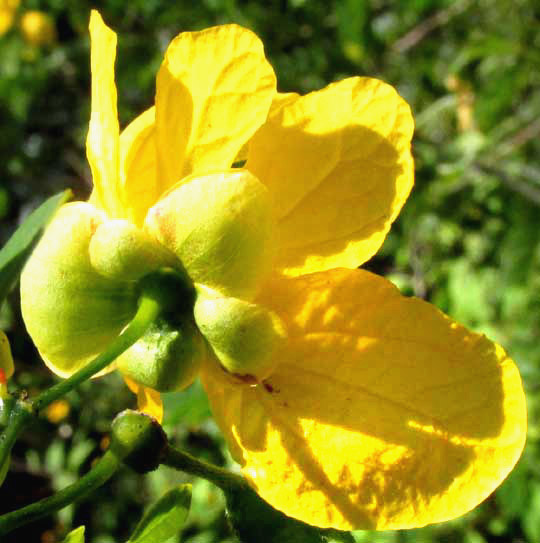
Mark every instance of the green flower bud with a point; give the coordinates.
(244, 336)
(166, 358)
(71, 311)
(120, 250)
(220, 226)
(138, 440)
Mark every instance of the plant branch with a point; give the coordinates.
(222, 478)
(150, 306)
(96, 477)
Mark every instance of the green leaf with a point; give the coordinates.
(255, 521)
(75, 536)
(165, 518)
(18, 248)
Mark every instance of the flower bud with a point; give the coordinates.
(243, 335)
(220, 226)
(167, 357)
(138, 440)
(120, 250)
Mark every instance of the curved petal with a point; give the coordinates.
(138, 166)
(339, 165)
(214, 89)
(102, 142)
(148, 400)
(384, 413)
(70, 310)
(280, 100)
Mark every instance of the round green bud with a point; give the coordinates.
(167, 357)
(138, 440)
(220, 226)
(120, 250)
(71, 311)
(244, 336)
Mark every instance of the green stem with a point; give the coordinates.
(224, 479)
(96, 477)
(150, 305)
(21, 414)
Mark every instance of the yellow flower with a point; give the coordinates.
(356, 407)
(7, 14)
(38, 28)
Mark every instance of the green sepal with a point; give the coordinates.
(15, 252)
(167, 357)
(220, 226)
(70, 310)
(165, 518)
(244, 336)
(120, 250)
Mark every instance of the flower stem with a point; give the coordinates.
(222, 478)
(96, 477)
(150, 305)
(21, 414)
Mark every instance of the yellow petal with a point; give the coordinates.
(384, 413)
(102, 143)
(214, 89)
(138, 166)
(6, 19)
(338, 163)
(280, 99)
(70, 310)
(148, 400)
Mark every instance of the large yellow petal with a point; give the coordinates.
(102, 142)
(384, 413)
(339, 165)
(280, 100)
(138, 166)
(214, 89)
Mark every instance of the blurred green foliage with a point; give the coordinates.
(468, 239)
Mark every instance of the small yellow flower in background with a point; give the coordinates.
(38, 28)
(7, 14)
(57, 411)
(346, 404)
(465, 102)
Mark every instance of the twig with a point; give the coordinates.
(420, 31)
